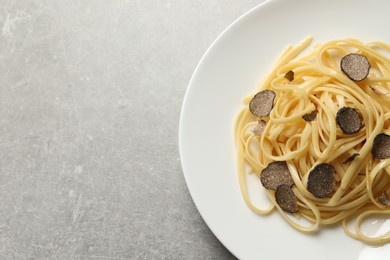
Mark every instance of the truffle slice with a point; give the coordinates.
(321, 180)
(349, 120)
(310, 116)
(381, 146)
(351, 158)
(262, 103)
(289, 75)
(355, 66)
(286, 199)
(275, 174)
(259, 129)
(384, 199)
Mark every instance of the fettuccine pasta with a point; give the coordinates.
(361, 181)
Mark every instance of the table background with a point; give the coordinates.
(90, 99)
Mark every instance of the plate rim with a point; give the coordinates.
(183, 111)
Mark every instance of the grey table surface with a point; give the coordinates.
(90, 100)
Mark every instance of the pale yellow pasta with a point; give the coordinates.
(319, 84)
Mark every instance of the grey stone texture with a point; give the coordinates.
(90, 98)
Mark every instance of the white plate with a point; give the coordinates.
(232, 68)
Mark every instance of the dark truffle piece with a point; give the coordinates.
(286, 198)
(355, 66)
(289, 75)
(310, 116)
(349, 120)
(259, 129)
(262, 103)
(321, 180)
(381, 146)
(351, 158)
(384, 199)
(275, 174)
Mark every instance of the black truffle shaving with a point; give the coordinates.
(286, 198)
(310, 116)
(384, 199)
(289, 75)
(381, 146)
(351, 158)
(259, 129)
(321, 180)
(275, 174)
(262, 103)
(355, 66)
(349, 120)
